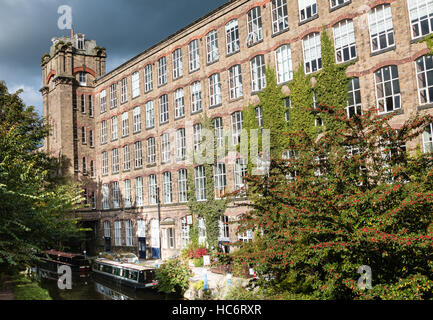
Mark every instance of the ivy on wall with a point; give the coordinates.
(330, 87)
(332, 84)
(429, 42)
(211, 209)
(301, 97)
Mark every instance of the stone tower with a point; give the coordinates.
(68, 74)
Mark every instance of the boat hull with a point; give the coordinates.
(97, 275)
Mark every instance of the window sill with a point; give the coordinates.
(163, 123)
(162, 85)
(253, 93)
(340, 6)
(134, 133)
(197, 112)
(382, 51)
(236, 99)
(129, 170)
(216, 106)
(256, 43)
(419, 39)
(122, 103)
(284, 82)
(425, 107)
(125, 136)
(138, 168)
(212, 62)
(233, 53)
(112, 140)
(276, 34)
(150, 128)
(152, 165)
(178, 118)
(192, 71)
(394, 113)
(309, 19)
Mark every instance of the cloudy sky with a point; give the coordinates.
(124, 27)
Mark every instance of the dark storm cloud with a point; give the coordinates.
(125, 28)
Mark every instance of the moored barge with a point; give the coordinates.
(51, 260)
(138, 277)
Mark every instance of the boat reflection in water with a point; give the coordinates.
(111, 293)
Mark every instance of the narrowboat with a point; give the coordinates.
(127, 274)
(51, 260)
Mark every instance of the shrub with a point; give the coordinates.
(198, 262)
(198, 285)
(241, 293)
(173, 277)
(27, 289)
(197, 253)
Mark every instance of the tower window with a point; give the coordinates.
(83, 78)
(80, 43)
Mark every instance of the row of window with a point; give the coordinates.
(112, 198)
(388, 98)
(165, 145)
(235, 89)
(381, 37)
(200, 182)
(168, 234)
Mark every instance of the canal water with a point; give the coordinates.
(96, 289)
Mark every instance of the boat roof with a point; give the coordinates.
(123, 265)
(63, 254)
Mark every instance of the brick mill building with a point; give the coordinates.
(124, 133)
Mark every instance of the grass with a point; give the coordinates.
(26, 289)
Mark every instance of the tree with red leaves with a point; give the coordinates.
(347, 198)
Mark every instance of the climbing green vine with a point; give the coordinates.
(429, 41)
(332, 84)
(211, 209)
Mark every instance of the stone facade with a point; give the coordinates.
(61, 71)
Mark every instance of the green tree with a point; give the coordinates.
(34, 202)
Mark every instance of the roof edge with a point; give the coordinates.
(229, 2)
